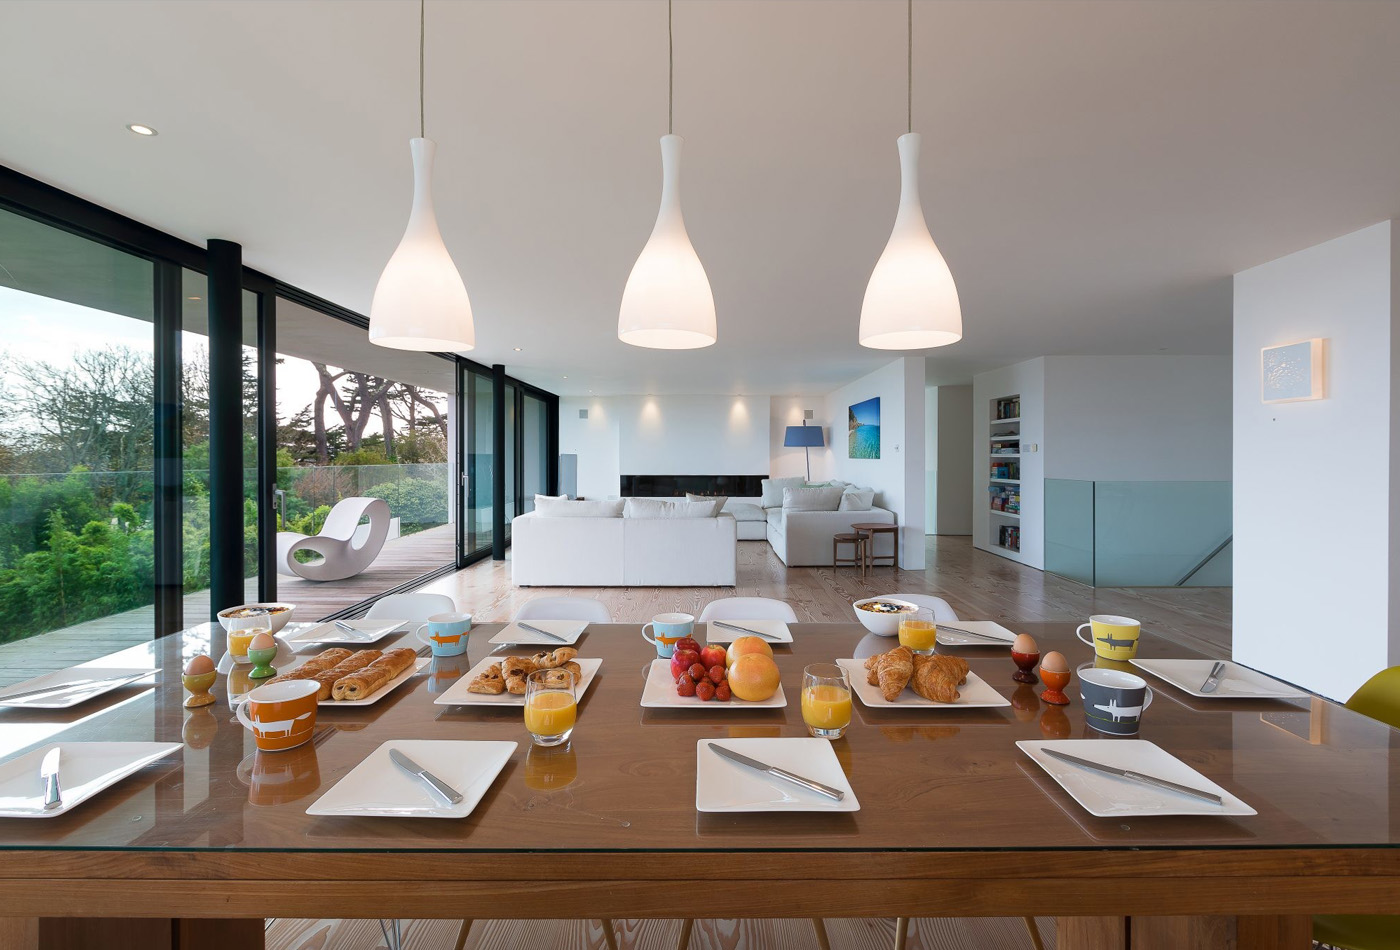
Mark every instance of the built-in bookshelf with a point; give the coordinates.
(1004, 473)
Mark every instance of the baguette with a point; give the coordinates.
(372, 678)
(310, 668)
(351, 664)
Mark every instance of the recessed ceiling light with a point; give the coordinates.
(193, 298)
(140, 129)
(517, 349)
(566, 377)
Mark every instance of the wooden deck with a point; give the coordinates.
(401, 561)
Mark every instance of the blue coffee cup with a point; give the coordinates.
(446, 633)
(666, 630)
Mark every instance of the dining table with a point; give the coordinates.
(954, 819)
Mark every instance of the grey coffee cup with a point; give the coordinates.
(1114, 701)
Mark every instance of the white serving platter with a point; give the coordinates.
(570, 630)
(378, 788)
(777, 631)
(458, 694)
(85, 769)
(722, 785)
(1236, 682)
(950, 636)
(368, 631)
(1110, 796)
(660, 693)
(113, 677)
(976, 693)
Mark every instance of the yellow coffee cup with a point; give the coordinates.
(1113, 638)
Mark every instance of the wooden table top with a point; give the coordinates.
(936, 780)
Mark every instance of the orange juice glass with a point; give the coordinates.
(242, 630)
(551, 706)
(826, 700)
(919, 636)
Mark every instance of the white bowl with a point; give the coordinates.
(279, 618)
(884, 625)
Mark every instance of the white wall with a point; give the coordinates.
(898, 474)
(784, 461)
(596, 442)
(931, 460)
(1137, 418)
(693, 435)
(1028, 380)
(952, 506)
(1314, 595)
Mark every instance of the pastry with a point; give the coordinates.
(310, 668)
(351, 664)
(489, 681)
(894, 672)
(934, 681)
(515, 669)
(952, 666)
(555, 659)
(374, 677)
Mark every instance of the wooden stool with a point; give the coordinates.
(872, 530)
(857, 542)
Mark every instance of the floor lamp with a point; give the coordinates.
(805, 436)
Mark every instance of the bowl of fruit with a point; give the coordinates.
(745, 671)
(881, 615)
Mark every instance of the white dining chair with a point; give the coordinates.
(748, 608)
(564, 608)
(410, 607)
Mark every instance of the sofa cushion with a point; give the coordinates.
(654, 508)
(717, 500)
(745, 511)
(773, 489)
(775, 518)
(811, 499)
(546, 507)
(857, 499)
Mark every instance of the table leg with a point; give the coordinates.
(1091, 933)
(155, 933)
(1222, 933)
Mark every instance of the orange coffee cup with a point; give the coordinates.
(281, 715)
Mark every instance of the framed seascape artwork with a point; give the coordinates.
(864, 436)
(1291, 372)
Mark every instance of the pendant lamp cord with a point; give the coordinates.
(671, 77)
(909, 102)
(422, 19)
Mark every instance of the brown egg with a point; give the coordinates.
(199, 664)
(263, 641)
(1054, 661)
(1024, 643)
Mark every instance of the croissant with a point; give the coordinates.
(893, 672)
(934, 681)
(953, 667)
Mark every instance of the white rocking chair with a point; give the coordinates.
(341, 557)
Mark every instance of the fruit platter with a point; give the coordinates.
(744, 675)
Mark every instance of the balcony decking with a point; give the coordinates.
(401, 561)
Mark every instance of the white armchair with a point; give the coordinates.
(340, 555)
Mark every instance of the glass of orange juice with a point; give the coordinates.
(551, 706)
(243, 627)
(826, 700)
(918, 634)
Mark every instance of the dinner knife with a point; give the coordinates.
(544, 633)
(1139, 777)
(53, 795)
(972, 633)
(756, 633)
(818, 787)
(344, 627)
(76, 684)
(444, 791)
(1213, 680)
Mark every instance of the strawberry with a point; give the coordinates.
(697, 672)
(716, 674)
(685, 686)
(722, 692)
(705, 690)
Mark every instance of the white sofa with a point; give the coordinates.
(803, 538)
(753, 520)
(623, 552)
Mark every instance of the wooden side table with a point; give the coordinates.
(872, 530)
(857, 559)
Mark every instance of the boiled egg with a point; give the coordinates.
(263, 641)
(1024, 643)
(199, 665)
(1055, 662)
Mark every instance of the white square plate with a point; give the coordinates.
(974, 694)
(1109, 796)
(1237, 682)
(63, 698)
(383, 691)
(458, 694)
(85, 768)
(570, 630)
(368, 631)
(660, 693)
(777, 631)
(991, 632)
(725, 786)
(377, 787)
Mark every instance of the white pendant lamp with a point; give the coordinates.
(667, 303)
(420, 302)
(911, 302)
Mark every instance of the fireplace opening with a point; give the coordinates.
(676, 486)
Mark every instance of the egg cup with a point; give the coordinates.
(1026, 662)
(262, 662)
(1055, 682)
(198, 686)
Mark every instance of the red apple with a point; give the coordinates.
(681, 661)
(688, 643)
(713, 655)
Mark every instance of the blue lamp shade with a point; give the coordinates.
(803, 437)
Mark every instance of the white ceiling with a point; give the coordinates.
(1093, 171)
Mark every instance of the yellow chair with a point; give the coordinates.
(1378, 698)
